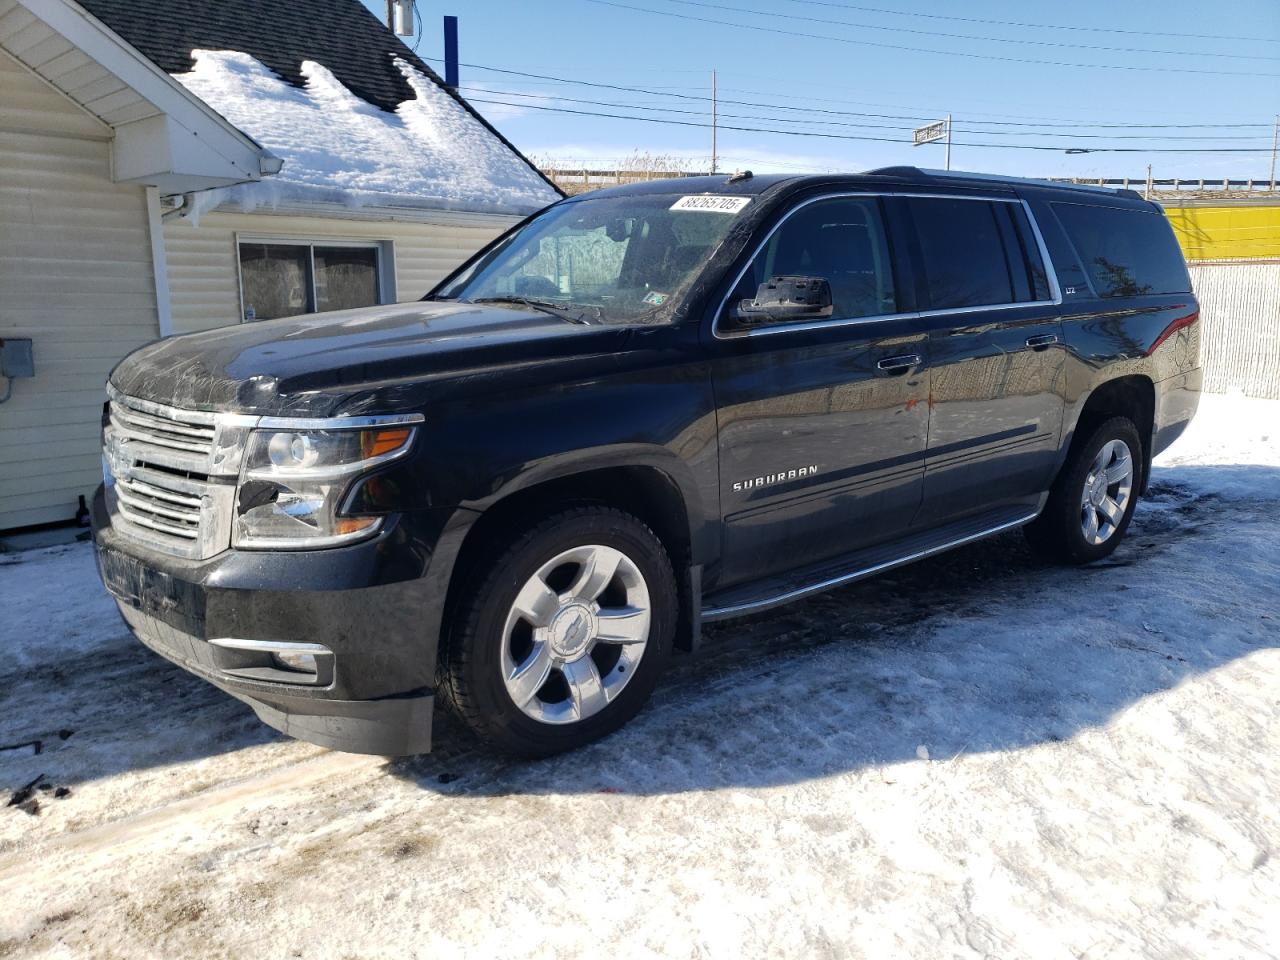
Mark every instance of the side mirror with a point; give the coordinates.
(788, 298)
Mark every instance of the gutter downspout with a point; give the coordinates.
(159, 267)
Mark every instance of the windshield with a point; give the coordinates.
(609, 259)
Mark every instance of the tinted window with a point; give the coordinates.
(1126, 253)
(1029, 259)
(842, 240)
(965, 259)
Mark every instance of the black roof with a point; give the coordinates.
(912, 178)
(716, 183)
(342, 35)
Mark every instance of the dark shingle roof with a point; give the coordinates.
(342, 35)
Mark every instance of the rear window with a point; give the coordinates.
(1126, 253)
(977, 253)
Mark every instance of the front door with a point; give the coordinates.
(822, 424)
(995, 350)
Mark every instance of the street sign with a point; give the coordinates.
(931, 132)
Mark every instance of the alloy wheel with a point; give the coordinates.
(575, 634)
(1108, 486)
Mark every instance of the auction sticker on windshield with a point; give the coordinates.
(713, 204)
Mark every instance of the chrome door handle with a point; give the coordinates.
(905, 362)
(1043, 340)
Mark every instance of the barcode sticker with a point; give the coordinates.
(711, 204)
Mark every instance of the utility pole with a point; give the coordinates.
(713, 123)
(1148, 194)
(1275, 139)
(948, 157)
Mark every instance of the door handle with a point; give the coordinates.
(898, 364)
(1042, 341)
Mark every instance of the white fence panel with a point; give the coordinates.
(1240, 334)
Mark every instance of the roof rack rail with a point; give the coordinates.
(925, 174)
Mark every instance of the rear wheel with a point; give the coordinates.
(563, 636)
(1092, 500)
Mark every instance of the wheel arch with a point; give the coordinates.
(1132, 396)
(658, 491)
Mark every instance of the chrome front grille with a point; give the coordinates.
(159, 509)
(173, 434)
(170, 474)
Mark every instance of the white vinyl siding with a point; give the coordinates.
(76, 278)
(203, 258)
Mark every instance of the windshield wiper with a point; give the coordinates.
(555, 309)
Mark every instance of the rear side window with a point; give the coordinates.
(1126, 253)
(976, 253)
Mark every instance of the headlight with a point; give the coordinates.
(294, 481)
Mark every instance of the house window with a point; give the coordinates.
(283, 278)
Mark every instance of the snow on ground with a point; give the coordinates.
(339, 148)
(973, 756)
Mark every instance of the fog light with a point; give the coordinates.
(295, 662)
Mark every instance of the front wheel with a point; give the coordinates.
(564, 634)
(1092, 500)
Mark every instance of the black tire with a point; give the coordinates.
(1057, 534)
(471, 679)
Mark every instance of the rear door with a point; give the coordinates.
(822, 424)
(995, 346)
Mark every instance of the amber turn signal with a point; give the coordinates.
(374, 443)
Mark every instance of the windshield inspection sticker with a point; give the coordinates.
(712, 204)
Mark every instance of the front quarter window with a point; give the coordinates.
(622, 259)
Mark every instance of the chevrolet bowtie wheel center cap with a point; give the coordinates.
(571, 630)
(1098, 489)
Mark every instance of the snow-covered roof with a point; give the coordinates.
(431, 152)
(357, 116)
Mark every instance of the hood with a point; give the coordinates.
(340, 363)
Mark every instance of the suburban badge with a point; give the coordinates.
(771, 478)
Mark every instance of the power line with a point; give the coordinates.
(842, 136)
(844, 113)
(969, 36)
(665, 108)
(1033, 26)
(777, 31)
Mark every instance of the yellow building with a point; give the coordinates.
(1217, 229)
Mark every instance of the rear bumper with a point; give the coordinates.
(373, 607)
(1177, 399)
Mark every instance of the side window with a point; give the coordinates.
(1025, 253)
(966, 263)
(842, 240)
(1126, 253)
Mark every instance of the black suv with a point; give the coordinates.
(640, 409)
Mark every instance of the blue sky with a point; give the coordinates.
(870, 87)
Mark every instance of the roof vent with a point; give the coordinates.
(739, 176)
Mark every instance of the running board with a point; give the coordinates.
(764, 595)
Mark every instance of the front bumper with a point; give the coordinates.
(375, 606)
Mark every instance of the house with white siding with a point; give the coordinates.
(167, 168)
